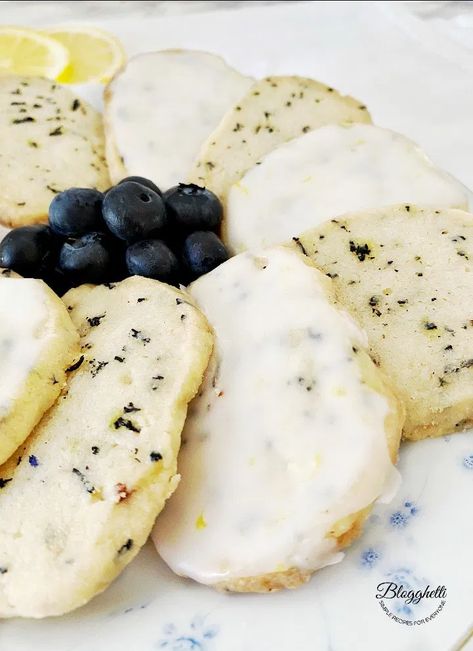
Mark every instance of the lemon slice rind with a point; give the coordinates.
(24, 51)
(94, 55)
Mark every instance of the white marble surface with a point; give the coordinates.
(457, 14)
(89, 10)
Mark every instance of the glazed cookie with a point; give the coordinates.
(328, 172)
(273, 111)
(38, 343)
(86, 488)
(183, 94)
(406, 274)
(291, 439)
(43, 127)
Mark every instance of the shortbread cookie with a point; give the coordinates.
(328, 172)
(291, 438)
(79, 500)
(406, 274)
(273, 111)
(38, 343)
(161, 107)
(51, 140)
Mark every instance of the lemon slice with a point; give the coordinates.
(94, 55)
(25, 52)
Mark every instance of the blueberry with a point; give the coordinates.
(29, 250)
(192, 208)
(202, 252)
(118, 252)
(153, 259)
(76, 211)
(142, 181)
(89, 259)
(133, 212)
(58, 281)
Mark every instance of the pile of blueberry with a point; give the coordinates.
(131, 229)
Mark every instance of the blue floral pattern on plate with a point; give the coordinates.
(196, 638)
(468, 461)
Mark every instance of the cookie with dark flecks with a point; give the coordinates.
(97, 470)
(49, 143)
(406, 274)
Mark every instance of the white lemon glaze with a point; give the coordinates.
(24, 328)
(163, 106)
(327, 172)
(285, 437)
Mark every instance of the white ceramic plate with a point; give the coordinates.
(425, 536)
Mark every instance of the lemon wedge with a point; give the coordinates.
(25, 52)
(94, 55)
